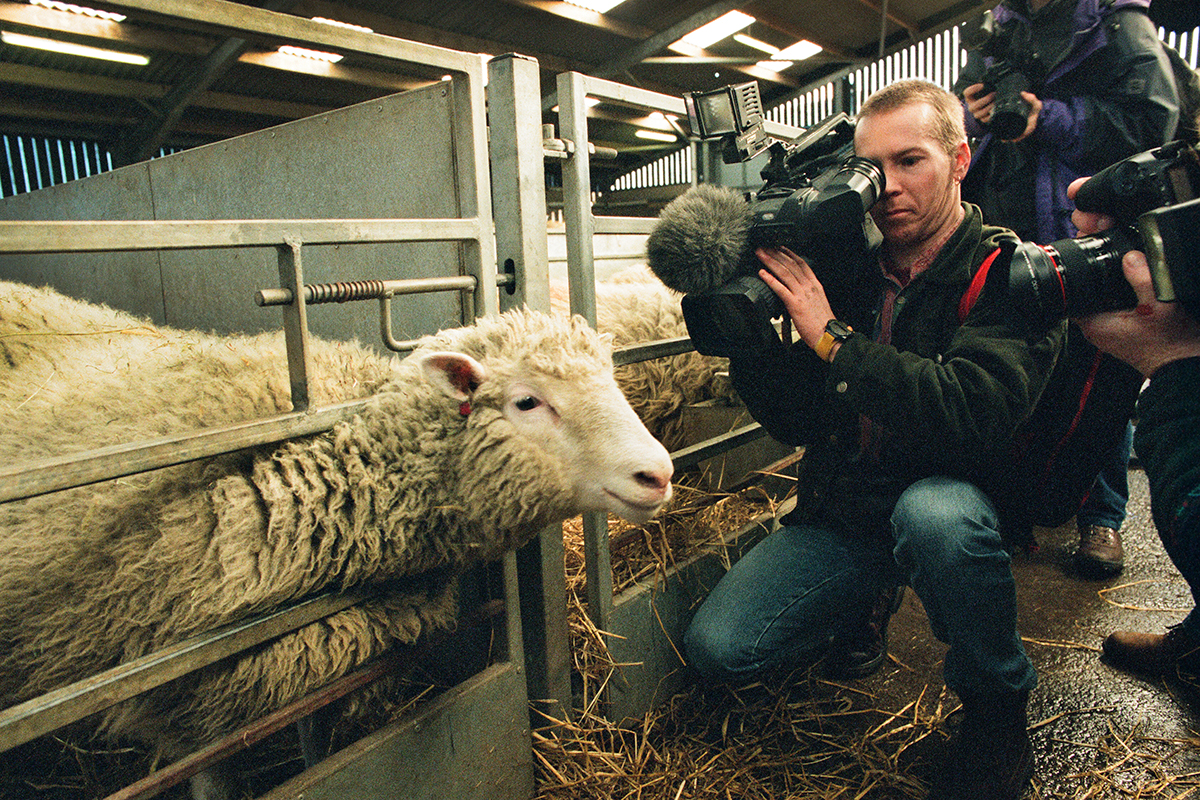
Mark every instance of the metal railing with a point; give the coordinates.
(581, 227)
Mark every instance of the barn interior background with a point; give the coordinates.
(208, 88)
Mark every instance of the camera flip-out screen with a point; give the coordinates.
(730, 109)
(711, 114)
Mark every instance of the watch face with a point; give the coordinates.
(838, 330)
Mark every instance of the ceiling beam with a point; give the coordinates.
(633, 56)
(586, 17)
(58, 80)
(148, 136)
(912, 28)
(78, 26)
(391, 26)
(786, 26)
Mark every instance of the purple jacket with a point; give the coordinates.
(1111, 95)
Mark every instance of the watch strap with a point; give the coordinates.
(824, 345)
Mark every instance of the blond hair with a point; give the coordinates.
(947, 127)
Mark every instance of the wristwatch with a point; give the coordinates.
(835, 331)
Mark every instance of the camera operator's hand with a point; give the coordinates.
(1148, 336)
(802, 294)
(982, 105)
(1087, 222)
(1153, 333)
(1035, 109)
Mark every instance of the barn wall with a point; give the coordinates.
(373, 160)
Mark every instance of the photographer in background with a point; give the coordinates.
(1162, 341)
(906, 410)
(1100, 87)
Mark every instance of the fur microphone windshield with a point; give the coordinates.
(701, 240)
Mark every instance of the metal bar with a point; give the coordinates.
(598, 570)
(90, 236)
(259, 24)
(633, 225)
(519, 178)
(246, 737)
(691, 456)
(470, 136)
(41, 715)
(385, 329)
(80, 469)
(628, 95)
(581, 279)
(577, 192)
(317, 293)
(632, 354)
(295, 323)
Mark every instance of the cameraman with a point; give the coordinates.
(1101, 88)
(1162, 341)
(904, 417)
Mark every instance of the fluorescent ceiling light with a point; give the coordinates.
(53, 45)
(599, 6)
(657, 120)
(54, 5)
(340, 24)
(774, 66)
(757, 44)
(657, 136)
(316, 55)
(720, 28)
(799, 51)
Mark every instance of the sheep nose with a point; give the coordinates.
(658, 481)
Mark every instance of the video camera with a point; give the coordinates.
(1010, 113)
(1153, 196)
(814, 201)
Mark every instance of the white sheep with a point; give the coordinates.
(635, 307)
(469, 447)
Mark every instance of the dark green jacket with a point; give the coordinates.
(944, 397)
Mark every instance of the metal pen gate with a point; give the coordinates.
(473, 740)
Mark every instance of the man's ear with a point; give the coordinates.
(962, 161)
(456, 374)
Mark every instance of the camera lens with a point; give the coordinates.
(1073, 277)
(864, 177)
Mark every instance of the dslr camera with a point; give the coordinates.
(814, 201)
(1154, 198)
(1010, 114)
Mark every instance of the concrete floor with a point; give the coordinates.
(1097, 732)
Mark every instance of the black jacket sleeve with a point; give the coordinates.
(1168, 444)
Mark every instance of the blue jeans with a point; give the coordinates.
(1105, 503)
(782, 604)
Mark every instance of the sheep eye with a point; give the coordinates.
(527, 403)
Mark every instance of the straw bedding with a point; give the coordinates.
(795, 736)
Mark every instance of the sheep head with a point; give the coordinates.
(557, 396)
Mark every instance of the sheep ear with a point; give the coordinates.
(456, 374)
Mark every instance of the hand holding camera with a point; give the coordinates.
(1150, 334)
(980, 99)
(803, 296)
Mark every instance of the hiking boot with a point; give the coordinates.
(1170, 654)
(1099, 554)
(861, 651)
(990, 756)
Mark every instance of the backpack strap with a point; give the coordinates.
(977, 283)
